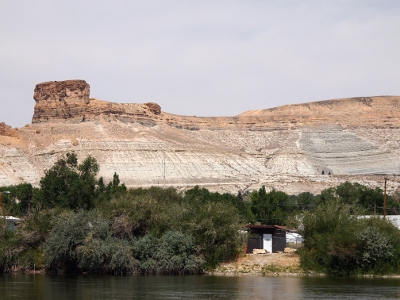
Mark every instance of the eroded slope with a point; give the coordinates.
(305, 147)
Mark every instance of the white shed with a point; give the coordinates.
(293, 238)
(394, 219)
(12, 222)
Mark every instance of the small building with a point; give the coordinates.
(293, 239)
(12, 222)
(394, 219)
(272, 238)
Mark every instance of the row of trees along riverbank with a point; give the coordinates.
(74, 222)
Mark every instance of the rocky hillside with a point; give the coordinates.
(294, 148)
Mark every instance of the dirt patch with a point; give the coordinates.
(262, 264)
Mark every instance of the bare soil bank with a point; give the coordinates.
(287, 264)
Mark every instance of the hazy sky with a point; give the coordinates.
(200, 57)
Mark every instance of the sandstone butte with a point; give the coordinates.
(293, 148)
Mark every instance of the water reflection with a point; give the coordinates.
(89, 287)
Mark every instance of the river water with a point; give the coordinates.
(60, 287)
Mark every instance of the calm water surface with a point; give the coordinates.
(89, 287)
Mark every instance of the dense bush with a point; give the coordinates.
(214, 224)
(83, 242)
(357, 194)
(139, 211)
(338, 242)
(75, 223)
(71, 231)
(172, 253)
(18, 201)
(375, 246)
(203, 195)
(9, 246)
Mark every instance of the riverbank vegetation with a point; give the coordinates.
(340, 242)
(76, 222)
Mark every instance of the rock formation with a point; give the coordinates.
(60, 99)
(68, 101)
(294, 148)
(6, 130)
(62, 93)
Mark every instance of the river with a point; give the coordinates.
(88, 287)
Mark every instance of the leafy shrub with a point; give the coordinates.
(82, 242)
(31, 258)
(375, 245)
(10, 246)
(203, 195)
(337, 242)
(215, 227)
(173, 253)
(120, 258)
(139, 212)
(36, 226)
(18, 201)
(70, 231)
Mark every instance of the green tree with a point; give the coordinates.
(215, 227)
(266, 207)
(104, 192)
(303, 201)
(338, 242)
(18, 201)
(114, 185)
(204, 195)
(69, 185)
(357, 194)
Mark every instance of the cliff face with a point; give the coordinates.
(294, 148)
(62, 93)
(68, 101)
(60, 100)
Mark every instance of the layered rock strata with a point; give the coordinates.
(68, 101)
(294, 148)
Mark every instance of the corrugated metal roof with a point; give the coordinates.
(11, 218)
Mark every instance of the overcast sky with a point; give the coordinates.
(200, 57)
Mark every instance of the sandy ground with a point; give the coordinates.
(287, 264)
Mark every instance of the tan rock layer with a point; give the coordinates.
(286, 148)
(61, 92)
(6, 130)
(69, 101)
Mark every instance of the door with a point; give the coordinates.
(267, 237)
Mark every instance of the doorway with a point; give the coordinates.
(267, 242)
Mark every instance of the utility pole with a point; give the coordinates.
(384, 201)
